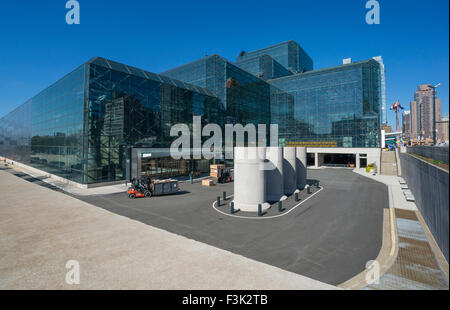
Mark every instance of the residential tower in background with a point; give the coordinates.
(422, 112)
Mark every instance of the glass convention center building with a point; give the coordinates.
(106, 122)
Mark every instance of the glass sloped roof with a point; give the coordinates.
(148, 75)
(318, 71)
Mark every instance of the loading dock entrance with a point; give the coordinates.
(339, 160)
(356, 157)
(166, 167)
(158, 163)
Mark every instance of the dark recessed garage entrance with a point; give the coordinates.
(339, 160)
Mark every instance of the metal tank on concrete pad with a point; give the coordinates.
(289, 166)
(301, 166)
(274, 176)
(249, 178)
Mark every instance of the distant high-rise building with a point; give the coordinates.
(443, 129)
(422, 112)
(406, 125)
(382, 89)
(414, 133)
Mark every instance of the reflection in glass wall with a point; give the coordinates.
(84, 126)
(15, 134)
(339, 105)
(47, 131)
(129, 107)
(245, 97)
(88, 139)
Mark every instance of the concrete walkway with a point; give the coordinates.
(41, 230)
(419, 264)
(397, 198)
(416, 267)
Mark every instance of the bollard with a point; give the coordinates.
(308, 190)
(260, 210)
(224, 196)
(317, 184)
(296, 197)
(232, 207)
(280, 206)
(218, 201)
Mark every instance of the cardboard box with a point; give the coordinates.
(207, 182)
(216, 170)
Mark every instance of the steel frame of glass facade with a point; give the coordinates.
(84, 126)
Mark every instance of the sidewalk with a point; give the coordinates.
(419, 264)
(416, 267)
(42, 230)
(395, 189)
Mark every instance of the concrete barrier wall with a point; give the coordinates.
(274, 175)
(429, 185)
(437, 153)
(249, 179)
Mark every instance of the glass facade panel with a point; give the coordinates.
(47, 131)
(126, 111)
(340, 105)
(289, 54)
(87, 140)
(264, 67)
(15, 134)
(84, 127)
(245, 98)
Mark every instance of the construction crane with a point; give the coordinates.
(397, 107)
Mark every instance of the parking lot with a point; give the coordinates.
(329, 237)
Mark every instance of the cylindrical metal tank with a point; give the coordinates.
(301, 167)
(249, 179)
(274, 176)
(289, 175)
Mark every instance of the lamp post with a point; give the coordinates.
(434, 113)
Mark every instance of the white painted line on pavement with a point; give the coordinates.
(267, 217)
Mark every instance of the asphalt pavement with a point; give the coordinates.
(329, 237)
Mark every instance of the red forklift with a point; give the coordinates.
(147, 187)
(225, 177)
(139, 188)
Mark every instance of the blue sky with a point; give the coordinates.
(38, 47)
